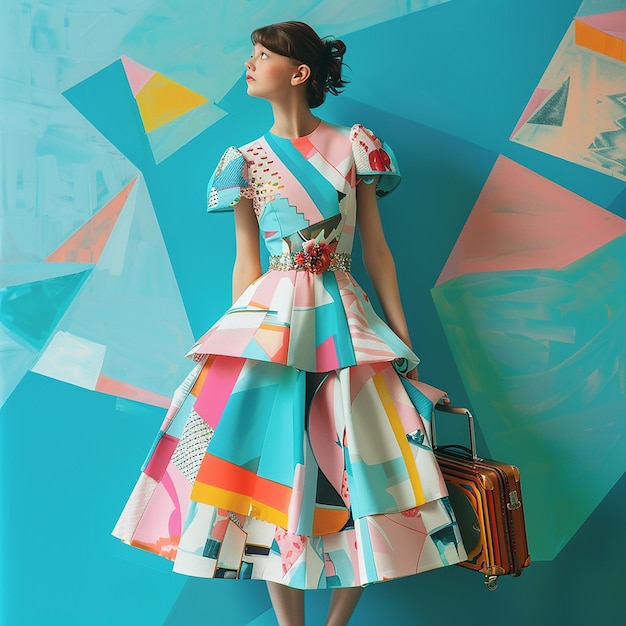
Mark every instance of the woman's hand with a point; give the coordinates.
(412, 374)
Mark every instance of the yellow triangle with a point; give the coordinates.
(161, 100)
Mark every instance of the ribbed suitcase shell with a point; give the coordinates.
(486, 497)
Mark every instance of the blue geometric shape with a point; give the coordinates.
(269, 223)
(216, 602)
(134, 278)
(618, 206)
(16, 360)
(20, 273)
(32, 310)
(255, 351)
(542, 355)
(106, 100)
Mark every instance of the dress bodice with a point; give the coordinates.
(304, 196)
(304, 188)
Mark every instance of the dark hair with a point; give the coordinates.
(300, 42)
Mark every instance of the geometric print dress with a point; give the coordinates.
(296, 451)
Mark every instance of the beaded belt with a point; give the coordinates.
(316, 261)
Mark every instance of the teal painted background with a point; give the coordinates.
(445, 84)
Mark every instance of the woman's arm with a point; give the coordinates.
(247, 267)
(379, 262)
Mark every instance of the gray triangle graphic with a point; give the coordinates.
(552, 113)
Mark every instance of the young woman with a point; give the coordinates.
(296, 452)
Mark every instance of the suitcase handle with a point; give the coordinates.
(453, 447)
(457, 410)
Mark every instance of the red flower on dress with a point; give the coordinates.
(380, 161)
(315, 257)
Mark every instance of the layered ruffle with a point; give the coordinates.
(313, 322)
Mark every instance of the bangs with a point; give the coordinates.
(274, 39)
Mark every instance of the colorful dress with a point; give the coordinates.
(295, 452)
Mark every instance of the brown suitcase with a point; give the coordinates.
(487, 500)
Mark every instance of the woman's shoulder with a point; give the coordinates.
(357, 134)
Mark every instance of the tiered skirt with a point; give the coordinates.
(314, 479)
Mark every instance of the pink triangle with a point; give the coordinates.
(138, 75)
(522, 220)
(87, 243)
(536, 100)
(613, 23)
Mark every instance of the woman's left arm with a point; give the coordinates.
(379, 262)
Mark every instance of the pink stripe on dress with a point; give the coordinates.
(161, 456)
(326, 356)
(217, 388)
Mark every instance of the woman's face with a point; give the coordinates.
(269, 74)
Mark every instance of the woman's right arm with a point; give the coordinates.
(247, 266)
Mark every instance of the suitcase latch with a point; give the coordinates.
(513, 502)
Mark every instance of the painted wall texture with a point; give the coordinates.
(508, 118)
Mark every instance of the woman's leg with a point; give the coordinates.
(288, 604)
(342, 604)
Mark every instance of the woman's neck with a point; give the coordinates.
(293, 120)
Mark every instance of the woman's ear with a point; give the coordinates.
(301, 74)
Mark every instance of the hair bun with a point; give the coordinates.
(335, 49)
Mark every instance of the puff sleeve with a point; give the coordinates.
(372, 158)
(229, 183)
